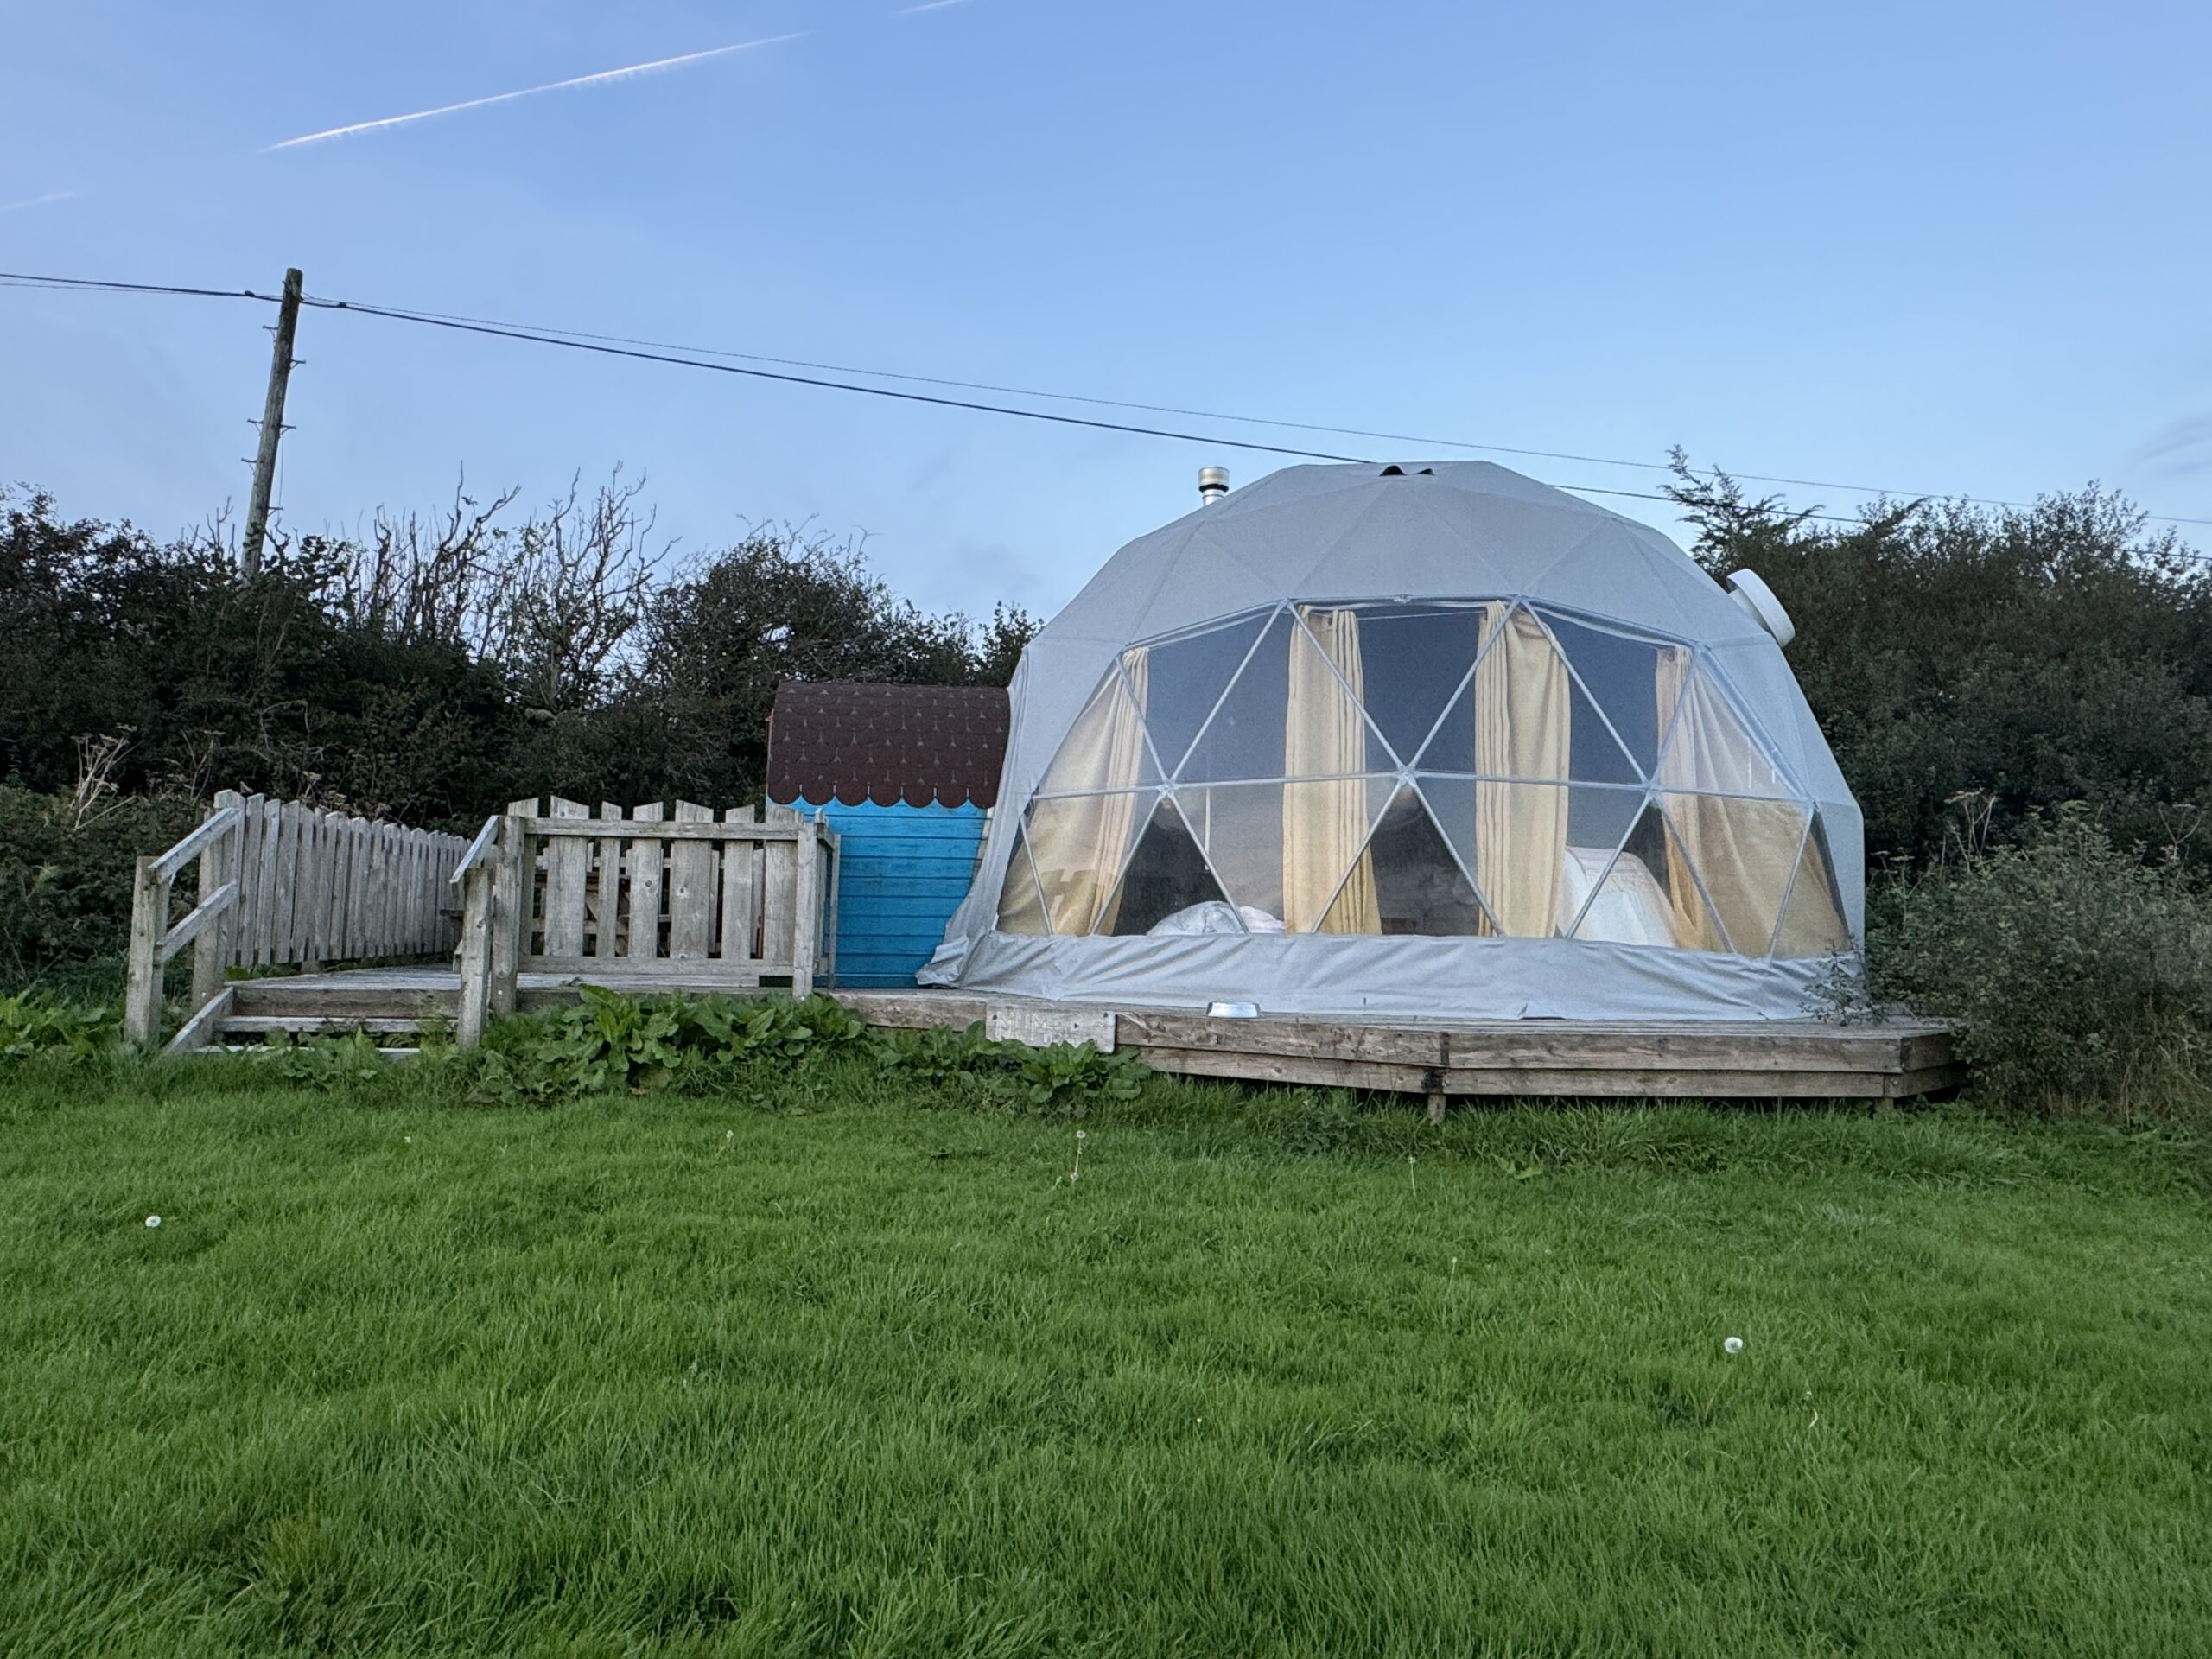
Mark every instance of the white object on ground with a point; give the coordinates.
(1214, 916)
(1734, 1345)
(153, 1221)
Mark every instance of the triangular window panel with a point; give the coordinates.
(1626, 676)
(1021, 908)
(1744, 852)
(1710, 749)
(1598, 820)
(1650, 895)
(1453, 744)
(1289, 715)
(1327, 822)
(1524, 844)
(1407, 882)
(1812, 923)
(1473, 727)
(1179, 681)
(1105, 748)
(1594, 755)
(1511, 837)
(1412, 661)
(1522, 715)
(1168, 886)
(1078, 844)
(1244, 739)
(1282, 849)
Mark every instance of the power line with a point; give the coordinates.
(499, 331)
(1001, 390)
(603, 347)
(90, 285)
(693, 357)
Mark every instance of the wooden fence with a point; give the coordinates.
(281, 883)
(687, 896)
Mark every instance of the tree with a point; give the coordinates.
(2037, 655)
(781, 606)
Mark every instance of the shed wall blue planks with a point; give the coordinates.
(902, 871)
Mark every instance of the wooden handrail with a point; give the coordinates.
(196, 923)
(479, 848)
(222, 821)
(280, 882)
(731, 897)
(662, 830)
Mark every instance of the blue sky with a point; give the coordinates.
(1955, 248)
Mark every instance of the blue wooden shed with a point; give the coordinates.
(908, 775)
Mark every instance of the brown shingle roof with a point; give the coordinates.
(850, 741)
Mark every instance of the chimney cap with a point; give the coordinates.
(1213, 484)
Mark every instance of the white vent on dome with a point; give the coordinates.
(1759, 603)
(1213, 484)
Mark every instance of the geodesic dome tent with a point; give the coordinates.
(1434, 741)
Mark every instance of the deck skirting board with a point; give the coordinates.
(1798, 1059)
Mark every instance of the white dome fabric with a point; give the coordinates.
(1416, 741)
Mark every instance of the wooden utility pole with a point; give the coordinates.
(272, 426)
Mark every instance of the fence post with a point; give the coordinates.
(806, 908)
(142, 995)
(510, 897)
(476, 954)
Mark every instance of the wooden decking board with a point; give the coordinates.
(1802, 1060)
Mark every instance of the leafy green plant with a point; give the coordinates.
(66, 865)
(1064, 1075)
(611, 1041)
(2073, 966)
(38, 1023)
(330, 1062)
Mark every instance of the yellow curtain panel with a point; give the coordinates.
(1324, 818)
(1080, 844)
(1523, 725)
(1745, 849)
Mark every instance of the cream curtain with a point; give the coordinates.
(1080, 842)
(1020, 909)
(1324, 818)
(1523, 725)
(1745, 849)
(1813, 925)
(1693, 922)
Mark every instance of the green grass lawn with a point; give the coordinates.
(814, 1369)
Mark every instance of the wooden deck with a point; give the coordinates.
(1804, 1059)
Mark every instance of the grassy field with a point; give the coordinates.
(814, 1368)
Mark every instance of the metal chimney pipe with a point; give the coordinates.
(1213, 484)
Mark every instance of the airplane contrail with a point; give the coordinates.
(600, 79)
(36, 201)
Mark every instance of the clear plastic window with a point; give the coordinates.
(1574, 779)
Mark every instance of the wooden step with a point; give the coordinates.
(309, 1026)
(317, 997)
